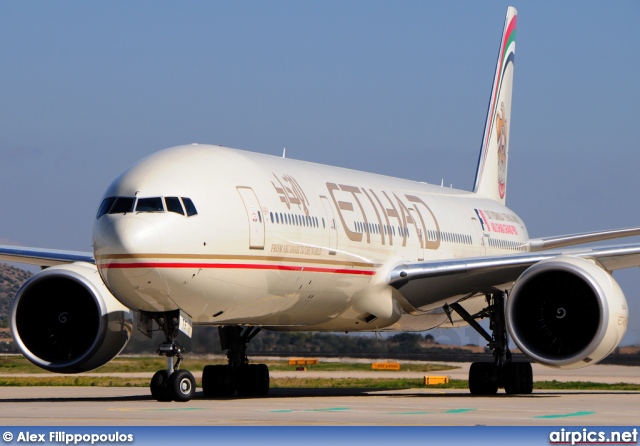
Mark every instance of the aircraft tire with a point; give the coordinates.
(216, 382)
(260, 377)
(159, 386)
(182, 385)
(481, 379)
(518, 378)
(252, 380)
(243, 380)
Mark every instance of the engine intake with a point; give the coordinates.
(566, 312)
(65, 320)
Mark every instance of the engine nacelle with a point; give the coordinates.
(65, 320)
(566, 312)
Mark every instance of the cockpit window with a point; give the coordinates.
(105, 206)
(122, 205)
(173, 205)
(188, 205)
(150, 205)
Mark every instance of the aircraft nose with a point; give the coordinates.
(127, 240)
(127, 250)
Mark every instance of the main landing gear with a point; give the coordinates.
(486, 377)
(172, 384)
(238, 375)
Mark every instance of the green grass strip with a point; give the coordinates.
(14, 364)
(71, 381)
(305, 383)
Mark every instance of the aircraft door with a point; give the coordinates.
(254, 214)
(481, 235)
(331, 222)
(422, 238)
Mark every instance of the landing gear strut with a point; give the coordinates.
(238, 375)
(171, 384)
(485, 377)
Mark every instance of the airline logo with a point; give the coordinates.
(496, 117)
(290, 192)
(501, 133)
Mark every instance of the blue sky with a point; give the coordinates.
(399, 88)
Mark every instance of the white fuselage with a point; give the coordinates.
(284, 243)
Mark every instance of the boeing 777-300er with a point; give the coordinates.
(209, 235)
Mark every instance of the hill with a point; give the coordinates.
(11, 278)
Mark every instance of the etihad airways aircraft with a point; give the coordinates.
(209, 235)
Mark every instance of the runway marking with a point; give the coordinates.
(426, 413)
(459, 410)
(581, 413)
(328, 409)
(124, 409)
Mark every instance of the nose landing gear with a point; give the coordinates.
(172, 384)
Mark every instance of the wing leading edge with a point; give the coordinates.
(539, 244)
(43, 257)
(430, 284)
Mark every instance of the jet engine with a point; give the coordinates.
(566, 312)
(65, 320)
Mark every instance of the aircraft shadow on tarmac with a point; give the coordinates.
(316, 393)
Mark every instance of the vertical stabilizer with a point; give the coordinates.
(491, 176)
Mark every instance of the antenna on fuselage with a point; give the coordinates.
(284, 152)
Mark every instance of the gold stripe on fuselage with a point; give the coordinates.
(106, 257)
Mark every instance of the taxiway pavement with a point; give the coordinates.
(118, 406)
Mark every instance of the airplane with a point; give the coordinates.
(209, 235)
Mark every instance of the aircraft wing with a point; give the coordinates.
(540, 244)
(424, 284)
(43, 257)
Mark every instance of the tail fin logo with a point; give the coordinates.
(501, 133)
(491, 174)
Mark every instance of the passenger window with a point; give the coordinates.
(105, 206)
(150, 205)
(122, 205)
(190, 208)
(173, 205)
